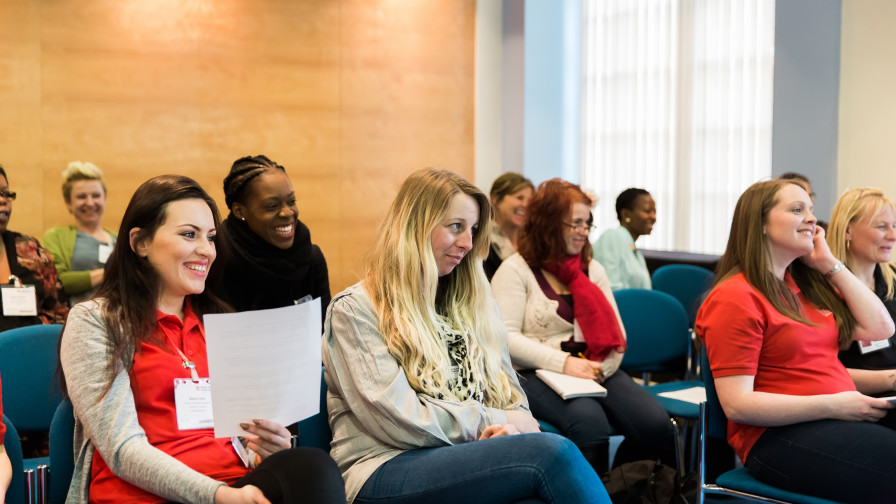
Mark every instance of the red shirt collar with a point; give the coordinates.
(191, 320)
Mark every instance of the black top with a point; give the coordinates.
(880, 359)
(37, 276)
(258, 275)
(491, 263)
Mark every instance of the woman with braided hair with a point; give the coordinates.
(272, 262)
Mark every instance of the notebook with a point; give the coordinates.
(569, 387)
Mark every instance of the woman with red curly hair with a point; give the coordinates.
(555, 298)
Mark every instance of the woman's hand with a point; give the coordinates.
(496, 430)
(248, 494)
(267, 437)
(855, 406)
(523, 421)
(583, 368)
(821, 258)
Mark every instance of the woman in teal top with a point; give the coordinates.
(615, 249)
(80, 251)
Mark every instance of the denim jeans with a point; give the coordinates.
(834, 459)
(505, 470)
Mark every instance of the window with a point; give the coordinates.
(677, 99)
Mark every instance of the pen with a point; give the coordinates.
(598, 374)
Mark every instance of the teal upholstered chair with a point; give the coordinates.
(736, 482)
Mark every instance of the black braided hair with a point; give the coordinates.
(242, 172)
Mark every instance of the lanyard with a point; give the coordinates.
(188, 364)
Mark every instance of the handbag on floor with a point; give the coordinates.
(649, 482)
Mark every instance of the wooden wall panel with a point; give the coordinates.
(350, 96)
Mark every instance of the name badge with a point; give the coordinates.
(193, 402)
(105, 250)
(873, 346)
(19, 301)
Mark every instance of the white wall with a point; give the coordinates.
(867, 145)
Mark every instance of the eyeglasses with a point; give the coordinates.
(582, 227)
(11, 196)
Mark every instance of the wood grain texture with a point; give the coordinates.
(350, 96)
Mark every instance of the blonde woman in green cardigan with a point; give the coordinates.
(79, 251)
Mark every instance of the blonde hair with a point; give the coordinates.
(748, 252)
(79, 170)
(403, 282)
(855, 205)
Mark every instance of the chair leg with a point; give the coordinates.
(43, 484)
(679, 447)
(30, 486)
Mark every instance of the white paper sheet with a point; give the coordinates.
(264, 364)
(694, 395)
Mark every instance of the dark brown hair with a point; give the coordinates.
(131, 284)
(507, 184)
(747, 251)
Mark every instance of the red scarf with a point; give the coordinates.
(596, 317)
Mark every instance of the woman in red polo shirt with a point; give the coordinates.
(781, 309)
(122, 353)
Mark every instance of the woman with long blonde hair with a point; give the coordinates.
(781, 309)
(422, 400)
(861, 233)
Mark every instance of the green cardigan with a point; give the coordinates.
(60, 241)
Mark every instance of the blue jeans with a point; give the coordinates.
(834, 459)
(506, 470)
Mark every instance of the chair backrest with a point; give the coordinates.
(314, 431)
(684, 282)
(716, 421)
(656, 328)
(62, 454)
(15, 494)
(28, 369)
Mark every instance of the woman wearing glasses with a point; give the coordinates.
(24, 261)
(615, 248)
(555, 298)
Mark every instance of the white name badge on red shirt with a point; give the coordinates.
(873, 346)
(19, 301)
(193, 402)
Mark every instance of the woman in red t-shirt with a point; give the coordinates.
(781, 309)
(129, 354)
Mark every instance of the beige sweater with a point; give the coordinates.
(534, 330)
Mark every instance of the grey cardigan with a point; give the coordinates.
(107, 421)
(373, 411)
